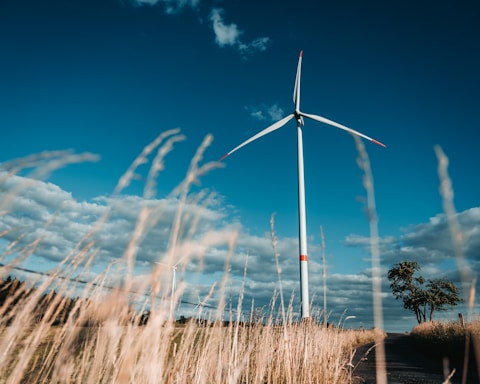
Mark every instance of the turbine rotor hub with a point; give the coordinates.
(298, 117)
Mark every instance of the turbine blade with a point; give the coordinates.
(334, 124)
(296, 89)
(266, 131)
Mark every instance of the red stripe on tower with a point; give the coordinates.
(303, 258)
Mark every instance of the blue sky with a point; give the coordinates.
(107, 77)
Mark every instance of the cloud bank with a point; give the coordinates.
(49, 222)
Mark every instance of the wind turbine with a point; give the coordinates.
(174, 273)
(302, 221)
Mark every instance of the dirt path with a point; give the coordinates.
(404, 365)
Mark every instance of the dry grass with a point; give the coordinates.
(445, 338)
(450, 342)
(101, 341)
(192, 354)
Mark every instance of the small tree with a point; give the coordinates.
(442, 294)
(420, 295)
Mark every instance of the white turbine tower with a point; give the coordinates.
(302, 221)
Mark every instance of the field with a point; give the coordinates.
(164, 353)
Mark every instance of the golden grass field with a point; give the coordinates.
(163, 353)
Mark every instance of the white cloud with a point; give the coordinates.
(429, 243)
(224, 34)
(275, 112)
(272, 113)
(257, 114)
(230, 35)
(257, 45)
(354, 240)
(171, 6)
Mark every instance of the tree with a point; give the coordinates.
(441, 295)
(420, 295)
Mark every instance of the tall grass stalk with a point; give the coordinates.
(467, 275)
(364, 164)
(324, 270)
(279, 272)
(446, 191)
